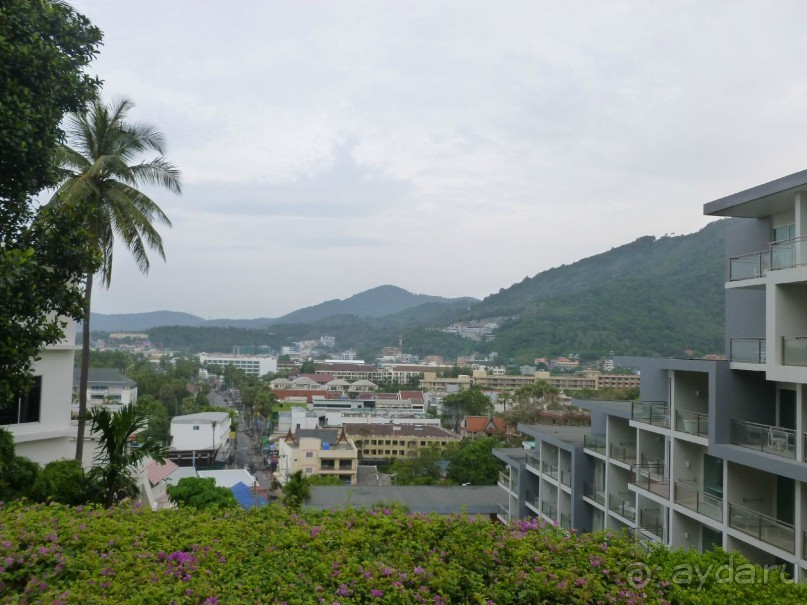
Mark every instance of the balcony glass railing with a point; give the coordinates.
(765, 438)
(763, 527)
(533, 460)
(651, 477)
(655, 413)
(566, 478)
(533, 500)
(693, 423)
(788, 253)
(794, 351)
(551, 470)
(749, 266)
(622, 506)
(624, 452)
(701, 502)
(504, 513)
(651, 523)
(504, 479)
(565, 521)
(747, 350)
(596, 493)
(549, 509)
(595, 442)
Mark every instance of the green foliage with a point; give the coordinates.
(297, 490)
(118, 455)
(273, 555)
(201, 493)
(468, 402)
(423, 469)
(325, 480)
(473, 462)
(65, 482)
(44, 48)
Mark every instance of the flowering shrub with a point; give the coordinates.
(57, 554)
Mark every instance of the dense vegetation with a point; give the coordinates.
(57, 554)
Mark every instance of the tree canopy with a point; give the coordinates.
(45, 47)
(201, 493)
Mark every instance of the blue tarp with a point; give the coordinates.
(244, 496)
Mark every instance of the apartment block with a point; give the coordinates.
(382, 441)
(714, 452)
(326, 452)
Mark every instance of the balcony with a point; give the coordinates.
(623, 451)
(794, 351)
(693, 423)
(651, 477)
(533, 500)
(594, 493)
(549, 509)
(706, 504)
(595, 443)
(788, 253)
(764, 438)
(566, 478)
(763, 527)
(504, 480)
(327, 465)
(747, 350)
(749, 266)
(623, 507)
(503, 513)
(550, 470)
(651, 524)
(654, 413)
(533, 460)
(565, 521)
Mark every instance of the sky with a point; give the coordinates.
(449, 148)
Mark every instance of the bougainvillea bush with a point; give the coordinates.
(57, 554)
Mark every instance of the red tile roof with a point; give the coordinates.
(411, 394)
(480, 424)
(283, 394)
(320, 378)
(156, 472)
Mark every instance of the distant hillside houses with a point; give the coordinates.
(473, 330)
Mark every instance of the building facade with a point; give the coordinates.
(327, 452)
(383, 441)
(715, 451)
(255, 365)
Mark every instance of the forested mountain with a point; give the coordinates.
(376, 302)
(654, 296)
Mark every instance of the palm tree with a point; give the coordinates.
(101, 179)
(118, 454)
(297, 490)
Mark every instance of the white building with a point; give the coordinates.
(40, 420)
(256, 365)
(200, 438)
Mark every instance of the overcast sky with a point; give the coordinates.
(447, 148)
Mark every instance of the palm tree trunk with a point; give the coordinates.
(85, 370)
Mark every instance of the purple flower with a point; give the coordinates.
(376, 593)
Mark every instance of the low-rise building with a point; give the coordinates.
(382, 441)
(200, 439)
(104, 386)
(327, 452)
(255, 365)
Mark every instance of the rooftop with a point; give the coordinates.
(443, 500)
(398, 430)
(763, 200)
(201, 418)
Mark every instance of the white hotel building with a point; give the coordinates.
(715, 451)
(256, 365)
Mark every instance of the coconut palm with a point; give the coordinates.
(297, 490)
(118, 453)
(101, 178)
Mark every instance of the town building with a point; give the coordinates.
(104, 386)
(383, 441)
(201, 439)
(255, 365)
(327, 452)
(39, 420)
(715, 451)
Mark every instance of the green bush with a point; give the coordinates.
(56, 554)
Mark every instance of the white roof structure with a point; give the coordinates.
(229, 478)
(201, 418)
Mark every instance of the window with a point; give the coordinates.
(309, 454)
(195, 427)
(25, 408)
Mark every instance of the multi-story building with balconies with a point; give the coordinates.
(715, 451)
